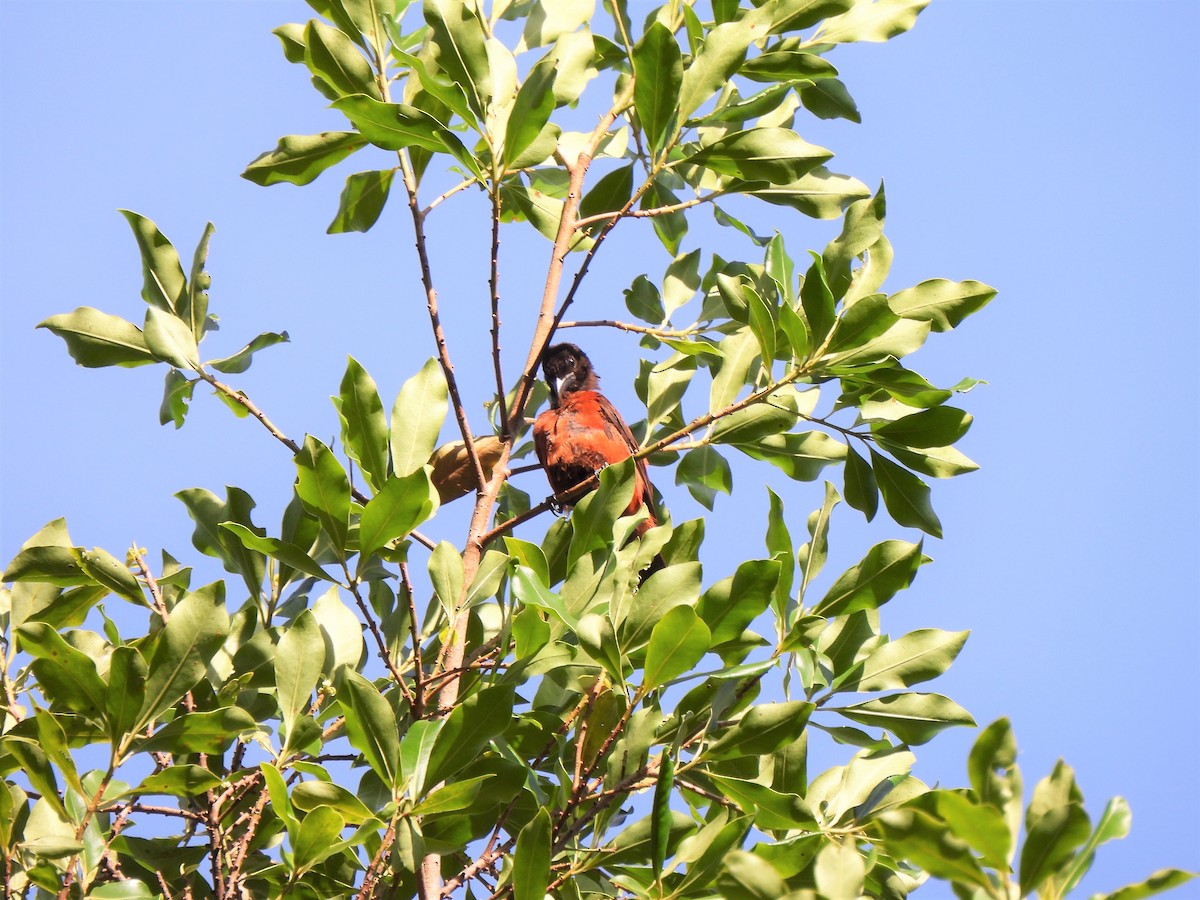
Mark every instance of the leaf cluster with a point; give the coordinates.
(364, 709)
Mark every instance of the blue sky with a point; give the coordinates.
(1050, 149)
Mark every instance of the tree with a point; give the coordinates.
(535, 715)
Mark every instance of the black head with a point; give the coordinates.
(567, 369)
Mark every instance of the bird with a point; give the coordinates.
(582, 432)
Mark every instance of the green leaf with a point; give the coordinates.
(458, 44)
(721, 56)
(170, 340)
(288, 554)
(324, 489)
(128, 889)
(531, 858)
(746, 876)
(1160, 881)
(920, 839)
(772, 154)
(796, 15)
(446, 574)
(596, 513)
(364, 426)
(642, 297)
(401, 505)
(866, 320)
(95, 339)
(241, 360)
(317, 838)
(300, 158)
(198, 626)
(981, 826)
(705, 472)
(341, 632)
(530, 590)
(392, 126)
(163, 281)
(661, 818)
(874, 21)
(771, 809)
(681, 280)
(914, 718)
(331, 56)
(887, 568)
(677, 642)
(802, 456)
(66, 676)
(179, 781)
(937, 427)
(840, 871)
(299, 661)
(107, 571)
(753, 423)
(52, 565)
(417, 418)
(829, 99)
(918, 656)
(467, 731)
(371, 727)
(787, 65)
(201, 732)
(531, 110)
(209, 513)
(739, 351)
(126, 691)
(415, 747)
(762, 730)
(944, 304)
(817, 301)
(1114, 824)
(193, 302)
(362, 201)
(658, 77)
(671, 228)
(995, 777)
(1050, 843)
(811, 557)
(821, 194)
(177, 394)
(309, 795)
(862, 229)
(676, 585)
(905, 495)
(730, 605)
(936, 462)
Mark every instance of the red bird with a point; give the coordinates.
(582, 432)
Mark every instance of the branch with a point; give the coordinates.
(373, 627)
(494, 285)
(435, 320)
(627, 212)
(637, 329)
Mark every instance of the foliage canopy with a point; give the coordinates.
(369, 708)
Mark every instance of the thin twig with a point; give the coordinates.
(494, 286)
(419, 695)
(636, 329)
(373, 627)
(647, 213)
(435, 320)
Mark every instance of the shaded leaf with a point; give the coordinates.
(300, 158)
(95, 339)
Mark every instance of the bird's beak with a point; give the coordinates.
(557, 385)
